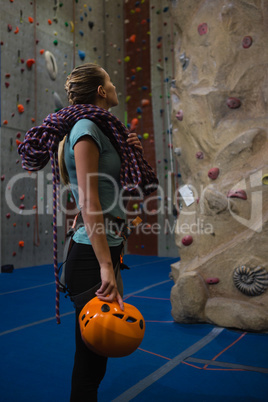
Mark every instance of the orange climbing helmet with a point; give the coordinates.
(109, 331)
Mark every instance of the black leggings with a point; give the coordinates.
(82, 273)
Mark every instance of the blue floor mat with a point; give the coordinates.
(37, 354)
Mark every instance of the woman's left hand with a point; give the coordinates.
(133, 140)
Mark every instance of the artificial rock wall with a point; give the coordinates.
(41, 42)
(219, 114)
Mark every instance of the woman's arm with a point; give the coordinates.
(86, 155)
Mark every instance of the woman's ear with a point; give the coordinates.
(101, 91)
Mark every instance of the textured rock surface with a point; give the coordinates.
(223, 93)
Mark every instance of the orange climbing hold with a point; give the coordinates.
(20, 108)
(42, 51)
(49, 22)
(132, 38)
(31, 20)
(16, 30)
(21, 243)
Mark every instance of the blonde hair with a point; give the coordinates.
(81, 87)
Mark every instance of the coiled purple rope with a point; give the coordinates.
(41, 145)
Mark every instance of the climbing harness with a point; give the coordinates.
(120, 228)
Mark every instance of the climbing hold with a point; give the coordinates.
(135, 206)
(3, 177)
(81, 54)
(42, 51)
(132, 39)
(139, 111)
(184, 61)
(58, 101)
(9, 28)
(51, 65)
(213, 173)
(145, 102)
(233, 103)
(199, 155)
(55, 42)
(134, 124)
(81, 33)
(7, 84)
(21, 243)
(18, 135)
(265, 179)
(20, 108)
(247, 42)
(30, 62)
(187, 240)
(177, 151)
(90, 24)
(14, 253)
(49, 22)
(31, 20)
(18, 142)
(251, 281)
(22, 197)
(237, 194)
(202, 28)
(179, 115)
(5, 122)
(138, 69)
(8, 215)
(72, 26)
(16, 30)
(212, 281)
(127, 58)
(146, 136)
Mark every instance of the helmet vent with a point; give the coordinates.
(86, 323)
(131, 319)
(141, 324)
(83, 317)
(119, 315)
(105, 308)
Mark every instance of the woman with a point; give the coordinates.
(91, 165)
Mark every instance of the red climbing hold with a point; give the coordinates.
(247, 42)
(233, 103)
(212, 281)
(202, 28)
(187, 240)
(179, 115)
(30, 62)
(237, 194)
(213, 173)
(199, 155)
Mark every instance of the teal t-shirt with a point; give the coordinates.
(109, 175)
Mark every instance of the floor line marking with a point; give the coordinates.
(225, 364)
(32, 324)
(132, 392)
(153, 262)
(146, 288)
(24, 289)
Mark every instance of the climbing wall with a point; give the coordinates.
(163, 36)
(219, 115)
(149, 69)
(40, 44)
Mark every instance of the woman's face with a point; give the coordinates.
(111, 95)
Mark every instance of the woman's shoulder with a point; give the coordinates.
(85, 127)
